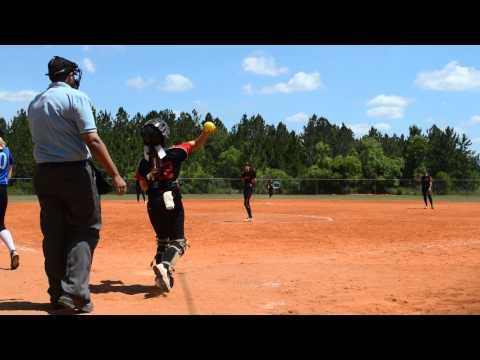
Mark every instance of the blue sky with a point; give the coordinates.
(391, 87)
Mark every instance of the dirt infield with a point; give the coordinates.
(297, 257)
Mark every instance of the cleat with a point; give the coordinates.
(163, 278)
(14, 260)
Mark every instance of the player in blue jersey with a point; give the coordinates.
(6, 163)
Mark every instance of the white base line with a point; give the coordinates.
(328, 218)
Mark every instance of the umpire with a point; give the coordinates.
(64, 135)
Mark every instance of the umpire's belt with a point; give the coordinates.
(62, 164)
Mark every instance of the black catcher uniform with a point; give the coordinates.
(165, 208)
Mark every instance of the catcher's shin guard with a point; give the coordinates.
(174, 250)
(161, 246)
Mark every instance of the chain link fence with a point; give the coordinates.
(297, 186)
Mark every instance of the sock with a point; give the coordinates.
(6, 236)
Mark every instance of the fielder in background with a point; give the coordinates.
(270, 188)
(157, 175)
(65, 137)
(6, 164)
(249, 181)
(427, 182)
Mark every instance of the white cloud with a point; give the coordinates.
(248, 89)
(362, 129)
(459, 130)
(299, 82)
(172, 83)
(17, 96)
(176, 83)
(388, 100)
(263, 65)
(359, 129)
(382, 126)
(89, 65)
(387, 106)
(139, 82)
(300, 117)
(389, 112)
(453, 77)
(475, 119)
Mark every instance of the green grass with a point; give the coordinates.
(452, 198)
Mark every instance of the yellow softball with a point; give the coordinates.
(209, 127)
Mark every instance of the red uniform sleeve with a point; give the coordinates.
(187, 147)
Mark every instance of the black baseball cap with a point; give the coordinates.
(58, 65)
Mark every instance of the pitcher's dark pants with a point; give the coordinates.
(247, 194)
(70, 220)
(426, 194)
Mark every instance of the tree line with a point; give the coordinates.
(323, 150)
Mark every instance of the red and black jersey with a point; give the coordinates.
(169, 168)
(248, 177)
(426, 181)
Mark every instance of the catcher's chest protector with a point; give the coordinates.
(165, 166)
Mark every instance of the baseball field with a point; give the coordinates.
(301, 255)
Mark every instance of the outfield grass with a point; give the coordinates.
(363, 197)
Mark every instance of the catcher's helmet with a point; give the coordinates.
(59, 66)
(155, 132)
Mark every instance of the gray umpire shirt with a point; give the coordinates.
(57, 117)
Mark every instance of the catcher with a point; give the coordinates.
(157, 175)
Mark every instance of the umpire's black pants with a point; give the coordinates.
(70, 220)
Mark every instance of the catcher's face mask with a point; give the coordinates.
(59, 65)
(155, 132)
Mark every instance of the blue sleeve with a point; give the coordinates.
(10, 157)
(83, 114)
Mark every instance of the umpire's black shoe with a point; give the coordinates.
(86, 308)
(64, 305)
(69, 306)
